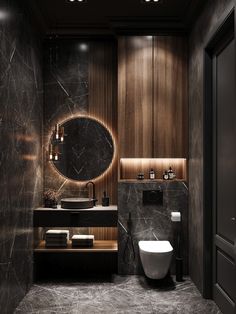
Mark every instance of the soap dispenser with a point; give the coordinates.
(105, 200)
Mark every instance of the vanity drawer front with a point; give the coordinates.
(94, 219)
(51, 218)
(77, 218)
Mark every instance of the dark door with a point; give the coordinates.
(224, 175)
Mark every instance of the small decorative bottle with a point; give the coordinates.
(151, 174)
(171, 174)
(140, 176)
(165, 175)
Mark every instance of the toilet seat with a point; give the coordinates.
(155, 258)
(155, 246)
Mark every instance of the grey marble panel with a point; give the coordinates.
(116, 294)
(206, 22)
(20, 150)
(149, 222)
(66, 78)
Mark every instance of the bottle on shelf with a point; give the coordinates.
(171, 174)
(140, 176)
(152, 174)
(165, 175)
(105, 199)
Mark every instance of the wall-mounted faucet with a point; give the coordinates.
(94, 193)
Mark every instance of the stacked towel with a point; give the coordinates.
(82, 240)
(57, 238)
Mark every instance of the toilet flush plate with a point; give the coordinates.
(153, 197)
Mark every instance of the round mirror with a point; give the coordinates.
(84, 151)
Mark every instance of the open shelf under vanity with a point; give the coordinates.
(99, 246)
(74, 261)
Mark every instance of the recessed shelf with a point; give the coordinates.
(100, 246)
(151, 181)
(130, 167)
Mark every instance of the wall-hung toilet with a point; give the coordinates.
(155, 257)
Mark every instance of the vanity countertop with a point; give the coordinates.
(96, 208)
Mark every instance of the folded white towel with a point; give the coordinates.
(83, 237)
(59, 232)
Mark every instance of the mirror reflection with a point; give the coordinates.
(84, 152)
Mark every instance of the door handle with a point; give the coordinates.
(233, 218)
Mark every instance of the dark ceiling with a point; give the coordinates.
(115, 16)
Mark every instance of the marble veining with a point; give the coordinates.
(20, 151)
(66, 76)
(116, 294)
(149, 222)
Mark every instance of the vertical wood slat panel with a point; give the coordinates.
(152, 97)
(103, 233)
(135, 96)
(103, 105)
(170, 97)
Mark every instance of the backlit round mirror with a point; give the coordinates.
(81, 149)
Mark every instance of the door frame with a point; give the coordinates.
(225, 25)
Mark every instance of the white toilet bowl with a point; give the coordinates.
(155, 257)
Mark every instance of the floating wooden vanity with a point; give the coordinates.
(103, 254)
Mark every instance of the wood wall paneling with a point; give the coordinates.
(152, 97)
(135, 96)
(103, 104)
(104, 233)
(170, 100)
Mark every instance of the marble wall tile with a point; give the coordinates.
(21, 176)
(198, 37)
(65, 95)
(73, 72)
(149, 222)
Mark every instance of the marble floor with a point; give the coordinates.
(116, 294)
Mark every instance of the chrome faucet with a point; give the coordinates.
(94, 193)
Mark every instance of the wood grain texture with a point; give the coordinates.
(135, 96)
(103, 105)
(129, 168)
(152, 97)
(98, 246)
(170, 97)
(104, 233)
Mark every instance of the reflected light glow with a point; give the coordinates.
(3, 15)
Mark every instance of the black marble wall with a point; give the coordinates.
(79, 79)
(149, 222)
(212, 12)
(66, 95)
(20, 150)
